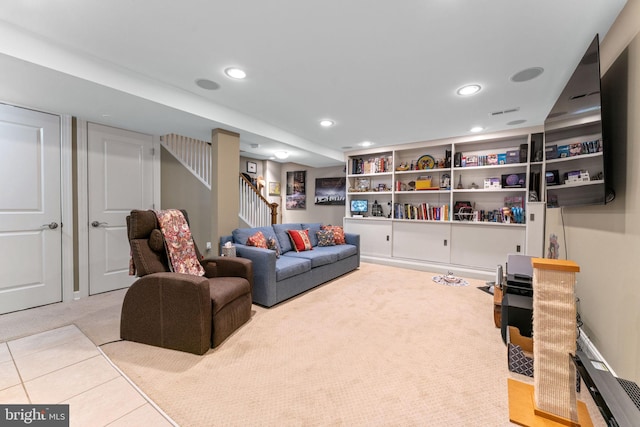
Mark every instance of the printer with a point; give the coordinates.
(517, 296)
(519, 275)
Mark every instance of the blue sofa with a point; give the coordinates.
(276, 279)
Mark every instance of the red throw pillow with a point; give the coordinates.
(300, 240)
(338, 233)
(258, 240)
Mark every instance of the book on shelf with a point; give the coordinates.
(421, 211)
(371, 165)
(471, 160)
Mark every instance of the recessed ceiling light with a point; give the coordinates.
(327, 123)
(207, 84)
(366, 144)
(526, 74)
(468, 90)
(235, 73)
(281, 154)
(476, 129)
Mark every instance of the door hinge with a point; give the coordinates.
(153, 151)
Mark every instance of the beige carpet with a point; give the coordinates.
(381, 346)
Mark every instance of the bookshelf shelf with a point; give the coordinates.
(365, 175)
(573, 158)
(485, 167)
(420, 225)
(491, 190)
(576, 184)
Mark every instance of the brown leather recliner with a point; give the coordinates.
(180, 311)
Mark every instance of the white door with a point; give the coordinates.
(30, 209)
(120, 173)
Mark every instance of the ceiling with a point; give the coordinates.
(383, 71)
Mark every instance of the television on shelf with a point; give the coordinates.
(359, 207)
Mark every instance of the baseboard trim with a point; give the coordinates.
(462, 271)
(592, 351)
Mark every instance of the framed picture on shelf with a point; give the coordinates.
(252, 167)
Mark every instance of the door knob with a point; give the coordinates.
(98, 224)
(52, 225)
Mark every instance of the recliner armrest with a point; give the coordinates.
(233, 267)
(169, 310)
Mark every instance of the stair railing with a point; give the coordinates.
(193, 154)
(255, 210)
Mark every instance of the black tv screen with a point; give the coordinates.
(573, 131)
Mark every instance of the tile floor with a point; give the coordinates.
(64, 366)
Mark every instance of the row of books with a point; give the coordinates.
(372, 165)
(462, 160)
(571, 150)
(422, 211)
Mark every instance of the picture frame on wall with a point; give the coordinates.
(274, 188)
(330, 191)
(252, 167)
(296, 190)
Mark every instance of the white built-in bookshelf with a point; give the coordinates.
(460, 203)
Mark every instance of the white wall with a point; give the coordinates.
(313, 213)
(605, 240)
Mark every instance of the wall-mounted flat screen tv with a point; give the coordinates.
(573, 131)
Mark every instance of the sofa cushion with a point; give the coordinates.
(338, 233)
(313, 227)
(258, 240)
(318, 256)
(283, 237)
(287, 266)
(325, 238)
(344, 251)
(300, 240)
(240, 235)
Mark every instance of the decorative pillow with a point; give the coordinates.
(258, 240)
(338, 233)
(325, 238)
(156, 241)
(273, 245)
(300, 240)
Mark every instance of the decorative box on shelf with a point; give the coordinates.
(423, 183)
(492, 183)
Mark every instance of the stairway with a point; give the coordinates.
(195, 156)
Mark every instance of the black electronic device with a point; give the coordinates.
(552, 177)
(537, 147)
(577, 121)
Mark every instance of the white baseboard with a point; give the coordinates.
(76, 295)
(590, 350)
(458, 270)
